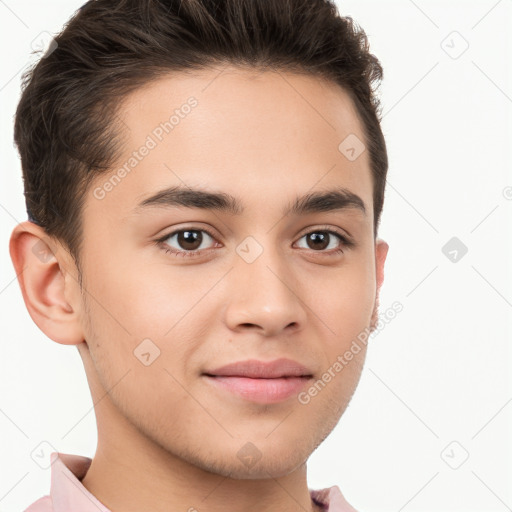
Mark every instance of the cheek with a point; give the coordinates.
(137, 298)
(133, 313)
(345, 301)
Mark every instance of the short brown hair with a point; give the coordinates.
(111, 47)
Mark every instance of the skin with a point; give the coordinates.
(167, 440)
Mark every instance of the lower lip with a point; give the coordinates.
(265, 391)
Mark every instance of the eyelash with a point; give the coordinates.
(346, 242)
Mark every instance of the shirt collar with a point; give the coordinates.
(67, 491)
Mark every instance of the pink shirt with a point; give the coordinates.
(67, 494)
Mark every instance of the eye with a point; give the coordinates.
(321, 239)
(189, 242)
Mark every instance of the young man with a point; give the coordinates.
(204, 181)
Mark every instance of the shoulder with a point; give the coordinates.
(43, 504)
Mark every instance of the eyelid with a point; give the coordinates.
(327, 227)
(187, 228)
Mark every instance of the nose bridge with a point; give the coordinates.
(263, 290)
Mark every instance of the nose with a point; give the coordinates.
(265, 295)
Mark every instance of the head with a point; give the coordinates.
(204, 182)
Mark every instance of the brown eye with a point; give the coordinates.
(319, 240)
(189, 240)
(186, 242)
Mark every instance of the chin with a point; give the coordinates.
(264, 470)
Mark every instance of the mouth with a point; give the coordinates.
(259, 390)
(260, 381)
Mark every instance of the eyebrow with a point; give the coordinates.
(321, 201)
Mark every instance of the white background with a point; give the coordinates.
(441, 370)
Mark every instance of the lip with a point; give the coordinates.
(263, 391)
(261, 381)
(255, 369)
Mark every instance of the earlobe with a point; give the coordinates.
(41, 270)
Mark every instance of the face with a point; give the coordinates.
(181, 284)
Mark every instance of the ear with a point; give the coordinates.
(381, 251)
(47, 277)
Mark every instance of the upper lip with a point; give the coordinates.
(256, 369)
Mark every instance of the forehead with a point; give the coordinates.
(270, 134)
(231, 98)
